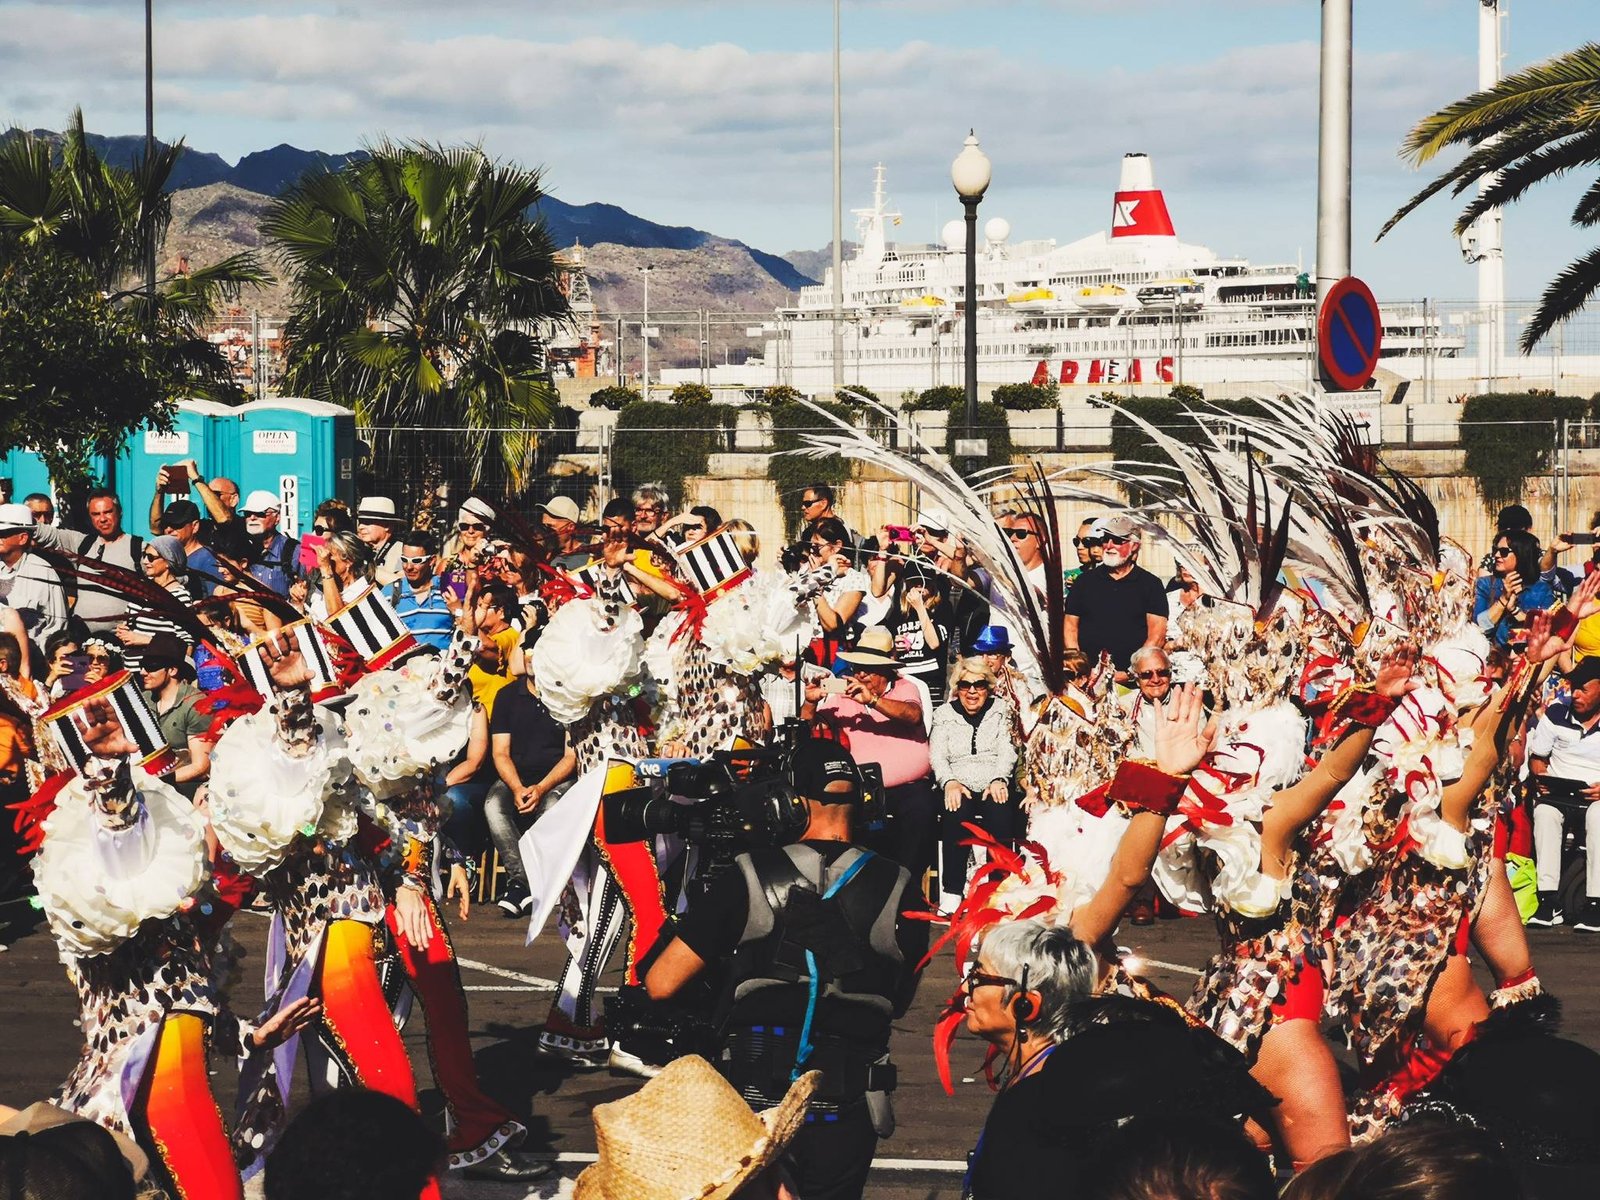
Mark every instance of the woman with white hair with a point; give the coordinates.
(1074, 1066)
(345, 564)
(974, 757)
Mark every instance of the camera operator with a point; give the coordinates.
(814, 984)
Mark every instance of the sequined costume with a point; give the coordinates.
(287, 808)
(120, 872)
(401, 724)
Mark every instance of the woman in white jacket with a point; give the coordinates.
(974, 757)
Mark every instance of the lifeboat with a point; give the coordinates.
(1104, 297)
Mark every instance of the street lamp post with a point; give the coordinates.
(644, 332)
(970, 174)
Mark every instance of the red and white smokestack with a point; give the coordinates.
(1139, 209)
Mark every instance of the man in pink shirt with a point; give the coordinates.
(879, 715)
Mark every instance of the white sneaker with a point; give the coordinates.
(625, 1062)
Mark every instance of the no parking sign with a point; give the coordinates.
(1349, 336)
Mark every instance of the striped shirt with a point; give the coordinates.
(149, 621)
(429, 619)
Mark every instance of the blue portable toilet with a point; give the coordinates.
(203, 430)
(302, 451)
(27, 473)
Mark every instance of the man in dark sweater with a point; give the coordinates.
(1118, 606)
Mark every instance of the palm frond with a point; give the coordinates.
(1550, 162)
(1567, 293)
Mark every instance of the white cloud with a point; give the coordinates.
(730, 138)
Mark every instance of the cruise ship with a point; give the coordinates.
(1133, 306)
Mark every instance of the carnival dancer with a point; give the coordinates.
(401, 723)
(286, 809)
(122, 876)
(587, 667)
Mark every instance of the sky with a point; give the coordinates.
(718, 114)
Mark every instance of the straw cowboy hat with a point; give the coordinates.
(874, 648)
(687, 1135)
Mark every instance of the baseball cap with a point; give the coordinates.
(1587, 670)
(935, 519)
(1117, 526)
(261, 500)
(563, 508)
(819, 762)
(179, 512)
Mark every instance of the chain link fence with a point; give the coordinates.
(732, 461)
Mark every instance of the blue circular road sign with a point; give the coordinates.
(1349, 336)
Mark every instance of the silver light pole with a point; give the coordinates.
(838, 217)
(644, 331)
(1333, 149)
(149, 147)
(970, 172)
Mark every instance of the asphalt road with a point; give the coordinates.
(509, 990)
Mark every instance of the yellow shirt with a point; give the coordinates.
(487, 684)
(1586, 640)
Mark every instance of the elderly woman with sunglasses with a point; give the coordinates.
(974, 758)
(165, 565)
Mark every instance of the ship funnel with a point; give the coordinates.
(1139, 209)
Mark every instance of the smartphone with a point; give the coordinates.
(177, 480)
(77, 675)
(1578, 539)
(900, 533)
(833, 685)
(308, 551)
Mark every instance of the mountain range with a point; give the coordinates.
(268, 173)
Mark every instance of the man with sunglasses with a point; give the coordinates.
(418, 599)
(816, 503)
(1088, 547)
(1118, 606)
(276, 563)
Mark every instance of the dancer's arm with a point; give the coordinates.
(1180, 745)
(1298, 805)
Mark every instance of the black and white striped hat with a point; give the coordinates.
(713, 564)
(370, 624)
(138, 722)
(324, 678)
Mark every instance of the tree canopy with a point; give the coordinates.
(86, 358)
(422, 294)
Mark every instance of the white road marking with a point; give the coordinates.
(878, 1164)
(534, 981)
(1180, 968)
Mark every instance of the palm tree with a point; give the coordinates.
(71, 221)
(1532, 126)
(422, 294)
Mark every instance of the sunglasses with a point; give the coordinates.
(150, 556)
(1153, 675)
(699, 528)
(1019, 535)
(816, 549)
(1501, 552)
(1112, 538)
(976, 979)
(467, 526)
(1089, 543)
(804, 503)
(972, 685)
(252, 512)
(415, 561)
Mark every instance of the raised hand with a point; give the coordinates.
(286, 667)
(1541, 644)
(1585, 598)
(102, 730)
(1181, 742)
(1394, 677)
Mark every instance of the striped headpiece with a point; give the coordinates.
(370, 624)
(324, 678)
(128, 702)
(713, 564)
